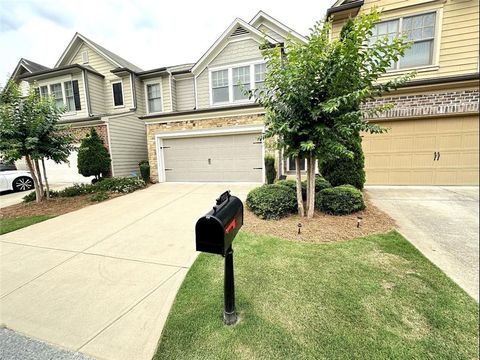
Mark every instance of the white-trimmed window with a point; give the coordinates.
(220, 88)
(117, 93)
(154, 98)
(241, 82)
(260, 75)
(292, 166)
(420, 29)
(56, 91)
(69, 98)
(43, 91)
(227, 85)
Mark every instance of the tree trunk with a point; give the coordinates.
(310, 185)
(47, 187)
(39, 174)
(38, 193)
(301, 206)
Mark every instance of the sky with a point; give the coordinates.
(149, 34)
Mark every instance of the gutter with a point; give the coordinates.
(441, 80)
(343, 7)
(73, 66)
(200, 111)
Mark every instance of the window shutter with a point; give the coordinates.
(76, 95)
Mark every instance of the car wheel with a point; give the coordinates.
(23, 183)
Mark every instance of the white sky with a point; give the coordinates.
(149, 34)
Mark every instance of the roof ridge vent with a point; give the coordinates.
(239, 31)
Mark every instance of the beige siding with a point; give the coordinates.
(166, 94)
(128, 144)
(457, 34)
(173, 85)
(96, 88)
(140, 90)
(203, 92)
(104, 66)
(271, 33)
(237, 52)
(185, 91)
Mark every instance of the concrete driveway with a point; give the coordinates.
(442, 222)
(101, 280)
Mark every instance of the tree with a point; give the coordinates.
(93, 157)
(313, 92)
(29, 128)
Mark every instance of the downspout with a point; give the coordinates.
(134, 91)
(87, 92)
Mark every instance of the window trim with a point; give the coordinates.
(113, 95)
(60, 80)
(436, 39)
(153, 82)
(287, 160)
(230, 68)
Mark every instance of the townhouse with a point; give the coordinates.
(194, 123)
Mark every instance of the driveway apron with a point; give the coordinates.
(101, 280)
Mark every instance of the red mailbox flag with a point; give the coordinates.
(231, 226)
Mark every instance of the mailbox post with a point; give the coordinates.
(214, 233)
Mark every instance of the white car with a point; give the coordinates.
(16, 180)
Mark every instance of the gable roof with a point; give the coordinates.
(238, 27)
(261, 17)
(112, 57)
(29, 66)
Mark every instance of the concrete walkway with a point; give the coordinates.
(442, 222)
(101, 280)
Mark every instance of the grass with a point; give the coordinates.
(12, 224)
(371, 298)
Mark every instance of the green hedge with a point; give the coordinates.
(272, 201)
(270, 172)
(340, 200)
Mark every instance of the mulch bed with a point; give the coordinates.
(323, 227)
(54, 207)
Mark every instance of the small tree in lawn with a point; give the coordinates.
(93, 157)
(29, 128)
(313, 93)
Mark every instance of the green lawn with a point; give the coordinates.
(7, 225)
(371, 298)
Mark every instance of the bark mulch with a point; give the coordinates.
(53, 207)
(323, 227)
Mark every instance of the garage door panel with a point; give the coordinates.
(214, 158)
(425, 142)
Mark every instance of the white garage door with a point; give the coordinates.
(229, 158)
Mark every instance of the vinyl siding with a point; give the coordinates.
(128, 143)
(457, 40)
(96, 87)
(235, 52)
(103, 66)
(140, 90)
(185, 91)
(173, 85)
(167, 102)
(271, 33)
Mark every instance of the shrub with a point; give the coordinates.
(93, 157)
(270, 171)
(272, 201)
(32, 197)
(292, 184)
(320, 184)
(76, 190)
(145, 170)
(340, 200)
(341, 171)
(100, 196)
(120, 185)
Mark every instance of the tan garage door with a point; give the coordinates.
(442, 151)
(214, 158)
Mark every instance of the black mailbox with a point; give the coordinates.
(215, 231)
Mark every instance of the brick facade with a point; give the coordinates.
(428, 104)
(222, 122)
(81, 132)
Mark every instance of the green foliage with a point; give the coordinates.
(340, 200)
(77, 190)
(272, 201)
(292, 184)
(100, 196)
(344, 169)
(31, 196)
(321, 183)
(120, 185)
(145, 170)
(93, 157)
(270, 171)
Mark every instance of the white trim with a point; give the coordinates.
(204, 132)
(60, 80)
(199, 65)
(257, 20)
(87, 100)
(287, 167)
(85, 58)
(110, 147)
(153, 82)
(113, 97)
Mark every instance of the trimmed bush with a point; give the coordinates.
(272, 201)
(342, 171)
(76, 190)
(100, 196)
(321, 183)
(340, 200)
(145, 170)
(32, 197)
(120, 185)
(93, 157)
(292, 184)
(270, 171)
